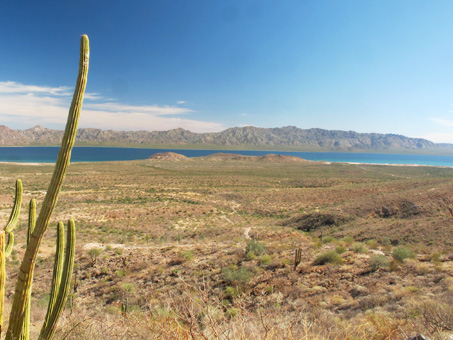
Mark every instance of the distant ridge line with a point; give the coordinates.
(285, 137)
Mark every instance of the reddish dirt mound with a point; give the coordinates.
(282, 158)
(267, 158)
(168, 156)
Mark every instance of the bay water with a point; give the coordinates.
(102, 154)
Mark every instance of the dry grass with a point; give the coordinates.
(168, 231)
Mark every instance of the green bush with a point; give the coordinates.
(232, 312)
(378, 261)
(254, 248)
(265, 260)
(373, 244)
(435, 257)
(328, 257)
(186, 255)
(237, 276)
(328, 239)
(359, 248)
(347, 240)
(231, 292)
(94, 254)
(401, 253)
(340, 249)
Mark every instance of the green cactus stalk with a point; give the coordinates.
(297, 258)
(25, 276)
(31, 227)
(2, 277)
(6, 247)
(61, 280)
(16, 208)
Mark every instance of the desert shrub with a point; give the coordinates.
(437, 316)
(386, 241)
(347, 240)
(435, 257)
(378, 261)
(340, 249)
(328, 239)
(232, 312)
(359, 248)
(128, 288)
(94, 254)
(401, 253)
(231, 292)
(254, 248)
(372, 243)
(328, 257)
(120, 273)
(118, 251)
(236, 276)
(186, 255)
(265, 260)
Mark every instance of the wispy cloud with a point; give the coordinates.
(181, 102)
(443, 122)
(24, 106)
(13, 87)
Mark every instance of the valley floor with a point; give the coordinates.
(206, 249)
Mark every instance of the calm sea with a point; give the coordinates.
(94, 154)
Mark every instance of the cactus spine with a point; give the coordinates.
(25, 276)
(6, 248)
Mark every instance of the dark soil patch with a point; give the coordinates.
(314, 221)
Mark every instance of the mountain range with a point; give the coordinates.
(284, 138)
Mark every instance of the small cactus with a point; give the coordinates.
(297, 258)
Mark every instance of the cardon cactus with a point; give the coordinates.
(6, 244)
(18, 321)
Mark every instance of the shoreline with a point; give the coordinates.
(321, 162)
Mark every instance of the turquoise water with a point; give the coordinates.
(95, 154)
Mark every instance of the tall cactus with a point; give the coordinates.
(21, 301)
(7, 246)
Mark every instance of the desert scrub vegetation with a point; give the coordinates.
(328, 257)
(254, 249)
(142, 214)
(401, 253)
(378, 262)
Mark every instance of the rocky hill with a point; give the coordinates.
(253, 137)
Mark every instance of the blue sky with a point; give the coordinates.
(368, 66)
